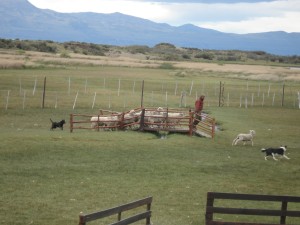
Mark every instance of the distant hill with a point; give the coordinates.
(20, 19)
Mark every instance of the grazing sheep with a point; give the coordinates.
(244, 138)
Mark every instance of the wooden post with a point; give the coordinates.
(34, 87)
(75, 100)
(142, 122)
(71, 123)
(82, 220)
(24, 98)
(213, 128)
(283, 208)
(209, 204)
(7, 100)
(191, 125)
(220, 94)
(44, 93)
(282, 101)
(69, 90)
(142, 98)
(119, 87)
(94, 100)
(191, 88)
(122, 121)
(148, 222)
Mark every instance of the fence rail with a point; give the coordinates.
(282, 213)
(84, 218)
(146, 120)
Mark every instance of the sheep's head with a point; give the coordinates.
(252, 132)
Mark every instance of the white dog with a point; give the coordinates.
(244, 138)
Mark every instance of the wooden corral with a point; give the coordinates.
(147, 119)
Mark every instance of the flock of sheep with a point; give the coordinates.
(151, 117)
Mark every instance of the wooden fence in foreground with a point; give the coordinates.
(282, 213)
(84, 218)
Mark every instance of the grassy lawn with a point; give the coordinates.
(49, 177)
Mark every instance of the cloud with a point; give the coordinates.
(234, 16)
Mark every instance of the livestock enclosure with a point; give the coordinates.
(50, 177)
(147, 119)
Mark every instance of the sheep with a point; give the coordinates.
(130, 118)
(244, 138)
(174, 118)
(156, 117)
(105, 121)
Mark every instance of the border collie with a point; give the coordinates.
(275, 151)
(59, 124)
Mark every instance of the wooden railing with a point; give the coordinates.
(146, 214)
(147, 120)
(281, 213)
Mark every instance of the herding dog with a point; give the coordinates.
(57, 124)
(275, 151)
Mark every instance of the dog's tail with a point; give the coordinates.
(263, 150)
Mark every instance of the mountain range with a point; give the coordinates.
(21, 20)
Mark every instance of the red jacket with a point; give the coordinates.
(199, 105)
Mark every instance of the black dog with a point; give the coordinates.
(275, 151)
(57, 124)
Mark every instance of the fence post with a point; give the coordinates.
(283, 208)
(191, 125)
(213, 128)
(142, 122)
(44, 93)
(81, 220)
(282, 101)
(209, 203)
(122, 121)
(71, 123)
(220, 94)
(142, 98)
(148, 222)
(98, 122)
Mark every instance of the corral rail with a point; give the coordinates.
(282, 213)
(146, 119)
(83, 219)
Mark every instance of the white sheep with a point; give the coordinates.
(131, 117)
(174, 118)
(244, 138)
(105, 121)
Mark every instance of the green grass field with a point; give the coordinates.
(49, 177)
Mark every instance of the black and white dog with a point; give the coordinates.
(275, 151)
(59, 124)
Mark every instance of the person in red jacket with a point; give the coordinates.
(198, 108)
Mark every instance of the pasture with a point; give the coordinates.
(49, 177)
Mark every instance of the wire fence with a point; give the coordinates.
(111, 93)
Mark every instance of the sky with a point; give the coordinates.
(230, 16)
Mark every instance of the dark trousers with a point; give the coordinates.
(197, 118)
